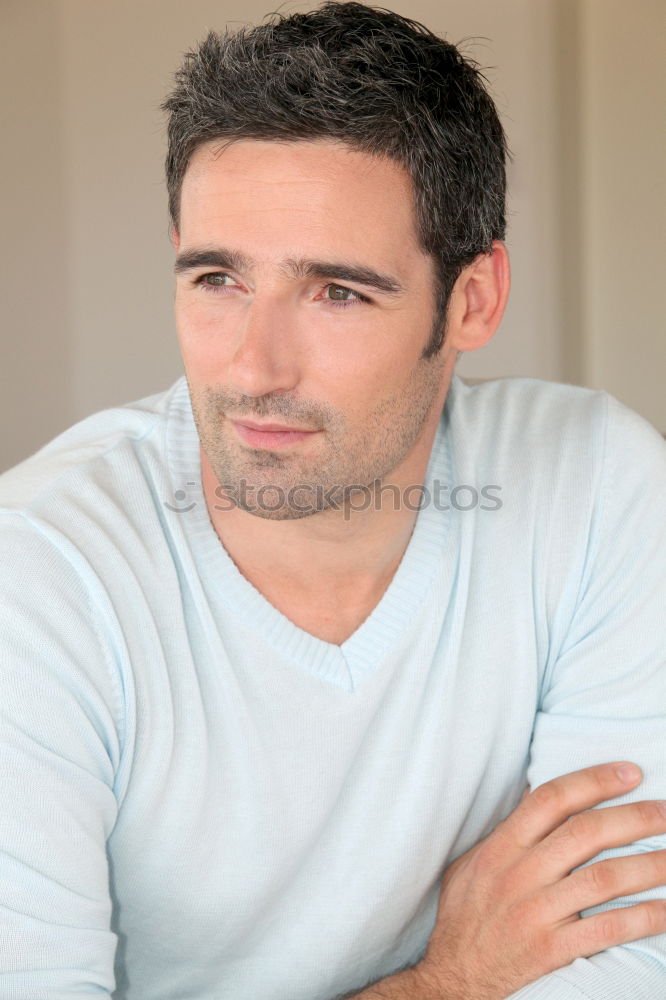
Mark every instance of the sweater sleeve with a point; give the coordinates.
(605, 696)
(59, 751)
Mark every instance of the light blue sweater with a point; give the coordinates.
(201, 801)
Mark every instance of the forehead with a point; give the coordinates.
(319, 190)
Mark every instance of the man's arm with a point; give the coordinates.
(59, 751)
(604, 695)
(604, 699)
(509, 907)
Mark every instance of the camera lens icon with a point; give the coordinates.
(179, 496)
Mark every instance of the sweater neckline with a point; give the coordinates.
(346, 665)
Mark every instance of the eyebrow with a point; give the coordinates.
(232, 260)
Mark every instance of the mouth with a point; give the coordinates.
(269, 435)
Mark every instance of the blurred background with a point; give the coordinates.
(86, 269)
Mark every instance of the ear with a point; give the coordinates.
(478, 299)
(174, 237)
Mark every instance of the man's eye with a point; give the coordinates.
(342, 295)
(213, 280)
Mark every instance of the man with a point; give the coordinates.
(283, 645)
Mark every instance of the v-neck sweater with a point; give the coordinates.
(201, 800)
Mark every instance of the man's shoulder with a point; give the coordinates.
(83, 451)
(509, 398)
(518, 420)
(541, 410)
(525, 416)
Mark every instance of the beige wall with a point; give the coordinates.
(624, 209)
(86, 263)
(36, 357)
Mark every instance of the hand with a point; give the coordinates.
(509, 908)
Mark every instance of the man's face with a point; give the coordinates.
(270, 338)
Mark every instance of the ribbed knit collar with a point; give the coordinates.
(404, 600)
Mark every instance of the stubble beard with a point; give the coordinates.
(287, 486)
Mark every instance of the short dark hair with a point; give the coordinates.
(380, 82)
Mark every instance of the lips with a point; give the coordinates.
(264, 436)
(271, 427)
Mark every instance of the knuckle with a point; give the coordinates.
(602, 930)
(525, 926)
(484, 866)
(551, 953)
(550, 795)
(622, 924)
(650, 813)
(659, 863)
(602, 877)
(479, 863)
(603, 777)
(520, 825)
(610, 926)
(656, 916)
(582, 826)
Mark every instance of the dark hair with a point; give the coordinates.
(380, 82)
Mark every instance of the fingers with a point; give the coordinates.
(591, 935)
(581, 837)
(549, 805)
(606, 880)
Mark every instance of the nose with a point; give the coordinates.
(265, 354)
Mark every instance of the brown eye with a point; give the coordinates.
(339, 293)
(214, 281)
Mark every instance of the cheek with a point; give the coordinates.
(193, 315)
(373, 347)
(203, 342)
(379, 367)
(358, 383)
